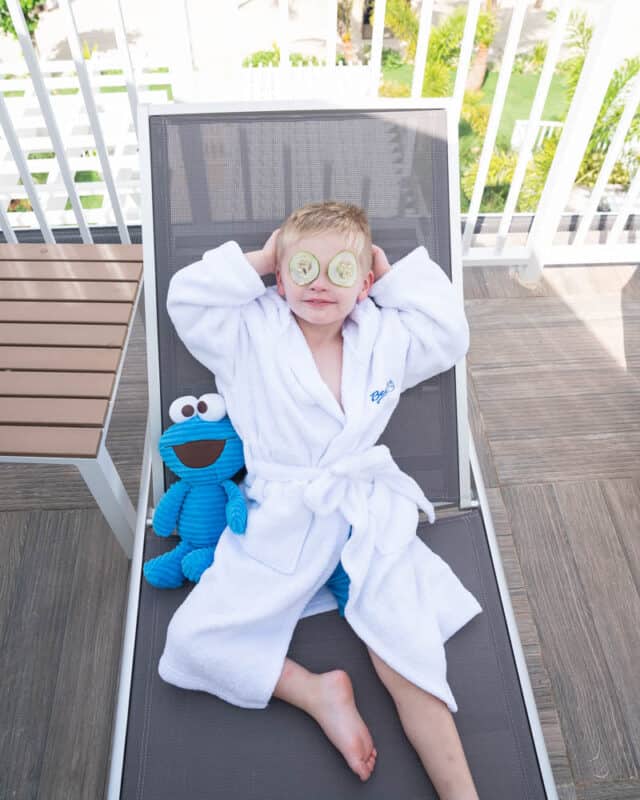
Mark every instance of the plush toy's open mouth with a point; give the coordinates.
(200, 453)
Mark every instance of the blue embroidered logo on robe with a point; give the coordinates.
(379, 394)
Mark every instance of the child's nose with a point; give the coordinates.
(322, 281)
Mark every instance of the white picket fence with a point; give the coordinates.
(80, 116)
(546, 128)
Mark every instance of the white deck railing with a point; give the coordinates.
(80, 116)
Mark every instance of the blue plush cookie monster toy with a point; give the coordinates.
(204, 451)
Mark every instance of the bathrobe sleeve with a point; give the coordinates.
(208, 303)
(429, 309)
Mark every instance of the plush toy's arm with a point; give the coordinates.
(166, 514)
(236, 508)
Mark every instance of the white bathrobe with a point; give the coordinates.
(314, 474)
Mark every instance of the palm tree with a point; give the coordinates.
(486, 30)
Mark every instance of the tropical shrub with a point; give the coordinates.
(31, 9)
(271, 58)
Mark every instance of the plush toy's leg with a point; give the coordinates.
(165, 571)
(195, 563)
(338, 584)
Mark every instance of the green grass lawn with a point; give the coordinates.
(520, 94)
(519, 99)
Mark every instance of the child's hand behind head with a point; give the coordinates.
(269, 251)
(380, 262)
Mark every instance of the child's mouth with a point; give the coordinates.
(319, 302)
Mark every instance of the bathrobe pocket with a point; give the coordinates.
(277, 527)
(396, 521)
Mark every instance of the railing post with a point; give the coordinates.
(332, 32)
(532, 133)
(583, 113)
(23, 168)
(375, 58)
(466, 49)
(506, 67)
(420, 59)
(127, 65)
(94, 120)
(17, 17)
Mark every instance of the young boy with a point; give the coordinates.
(311, 370)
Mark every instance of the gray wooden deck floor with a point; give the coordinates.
(554, 395)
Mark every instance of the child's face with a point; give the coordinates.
(321, 302)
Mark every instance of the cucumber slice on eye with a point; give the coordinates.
(343, 269)
(304, 268)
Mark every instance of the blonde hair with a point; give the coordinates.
(332, 215)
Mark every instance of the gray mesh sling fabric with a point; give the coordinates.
(236, 176)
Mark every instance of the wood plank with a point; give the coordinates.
(76, 755)
(564, 280)
(13, 529)
(74, 411)
(623, 503)
(506, 418)
(476, 423)
(572, 344)
(558, 458)
(544, 381)
(540, 680)
(610, 589)
(71, 270)
(101, 291)
(31, 651)
(608, 790)
(52, 486)
(42, 311)
(61, 442)
(68, 359)
(593, 279)
(485, 282)
(30, 333)
(56, 384)
(71, 252)
(513, 314)
(592, 720)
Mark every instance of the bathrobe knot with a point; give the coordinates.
(376, 499)
(347, 484)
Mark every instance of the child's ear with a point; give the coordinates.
(368, 283)
(279, 283)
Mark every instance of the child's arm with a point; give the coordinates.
(428, 307)
(206, 302)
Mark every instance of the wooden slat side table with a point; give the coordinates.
(66, 313)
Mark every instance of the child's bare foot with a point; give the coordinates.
(334, 709)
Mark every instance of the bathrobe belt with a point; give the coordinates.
(377, 499)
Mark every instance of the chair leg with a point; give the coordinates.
(105, 485)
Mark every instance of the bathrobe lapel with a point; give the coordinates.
(358, 335)
(303, 366)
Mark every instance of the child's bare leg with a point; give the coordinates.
(430, 728)
(329, 699)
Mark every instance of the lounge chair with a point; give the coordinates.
(217, 172)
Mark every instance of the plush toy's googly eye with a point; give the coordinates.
(343, 269)
(183, 408)
(211, 407)
(304, 268)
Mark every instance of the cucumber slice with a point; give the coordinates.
(343, 269)
(304, 268)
